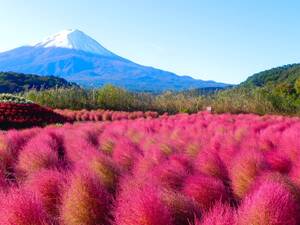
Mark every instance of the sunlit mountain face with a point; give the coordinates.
(73, 55)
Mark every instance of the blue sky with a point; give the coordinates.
(225, 40)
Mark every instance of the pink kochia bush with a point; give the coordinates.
(246, 167)
(103, 167)
(145, 206)
(85, 200)
(48, 185)
(197, 169)
(272, 203)
(220, 214)
(22, 207)
(209, 163)
(103, 115)
(3, 183)
(41, 152)
(205, 190)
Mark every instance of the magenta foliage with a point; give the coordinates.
(3, 182)
(172, 172)
(10, 146)
(125, 153)
(245, 168)
(101, 167)
(85, 200)
(278, 161)
(177, 170)
(272, 203)
(41, 152)
(49, 185)
(140, 205)
(210, 163)
(22, 207)
(220, 214)
(205, 190)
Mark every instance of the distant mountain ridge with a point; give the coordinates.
(16, 82)
(287, 74)
(78, 58)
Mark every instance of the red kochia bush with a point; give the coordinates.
(209, 163)
(85, 201)
(103, 115)
(49, 185)
(15, 115)
(246, 166)
(271, 203)
(41, 152)
(3, 183)
(278, 161)
(140, 205)
(183, 209)
(125, 153)
(21, 207)
(102, 167)
(172, 172)
(76, 147)
(205, 190)
(10, 146)
(220, 214)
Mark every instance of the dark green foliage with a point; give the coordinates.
(287, 74)
(9, 98)
(280, 86)
(17, 82)
(204, 91)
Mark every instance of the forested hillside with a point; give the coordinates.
(285, 79)
(17, 82)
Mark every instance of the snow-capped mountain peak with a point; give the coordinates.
(74, 39)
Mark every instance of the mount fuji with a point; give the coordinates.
(73, 55)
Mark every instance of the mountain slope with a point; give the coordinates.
(284, 75)
(16, 82)
(78, 58)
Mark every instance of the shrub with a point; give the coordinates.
(183, 209)
(220, 214)
(22, 207)
(103, 168)
(125, 153)
(145, 206)
(209, 163)
(49, 185)
(85, 201)
(41, 152)
(206, 191)
(271, 203)
(246, 166)
(14, 99)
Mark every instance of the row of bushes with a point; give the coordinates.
(103, 115)
(259, 100)
(16, 115)
(18, 112)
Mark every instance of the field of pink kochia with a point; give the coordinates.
(174, 170)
